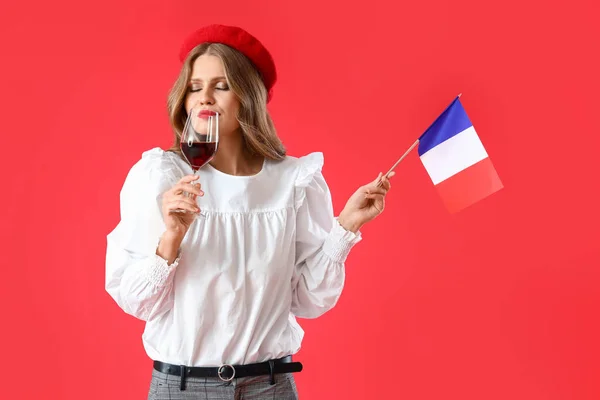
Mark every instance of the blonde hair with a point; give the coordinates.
(258, 130)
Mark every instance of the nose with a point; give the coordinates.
(206, 97)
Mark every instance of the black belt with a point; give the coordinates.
(227, 372)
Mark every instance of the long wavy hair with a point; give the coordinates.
(258, 130)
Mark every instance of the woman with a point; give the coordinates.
(221, 285)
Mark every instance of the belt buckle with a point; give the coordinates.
(222, 368)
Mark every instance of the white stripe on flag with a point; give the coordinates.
(453, 155)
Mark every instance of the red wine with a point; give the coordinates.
(199, 153)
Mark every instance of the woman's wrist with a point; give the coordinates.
(168, 246)
(349, 223)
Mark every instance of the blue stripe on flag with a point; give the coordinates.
(451, 122)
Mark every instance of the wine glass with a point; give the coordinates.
(200, 137)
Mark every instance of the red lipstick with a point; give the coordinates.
(206, 114)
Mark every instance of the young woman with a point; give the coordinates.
(220, 286)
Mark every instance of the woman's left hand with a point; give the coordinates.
(365, 204)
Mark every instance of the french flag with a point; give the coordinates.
(456, 160)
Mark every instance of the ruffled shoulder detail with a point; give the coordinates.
(153, 174)
(309, 169)
(160, 166)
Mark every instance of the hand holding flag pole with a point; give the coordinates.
(455, 159)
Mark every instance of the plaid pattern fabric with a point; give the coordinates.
(167, 387)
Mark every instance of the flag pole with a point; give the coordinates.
(403, 156)
(400, 159)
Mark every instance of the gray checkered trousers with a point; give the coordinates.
(165, 386)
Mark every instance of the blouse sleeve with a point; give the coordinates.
(138, 280)
(322, 244)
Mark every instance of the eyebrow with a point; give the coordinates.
(218, 78)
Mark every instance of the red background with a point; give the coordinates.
(497, 302)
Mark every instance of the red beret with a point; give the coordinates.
(240, 40)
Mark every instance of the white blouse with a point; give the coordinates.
(264, 250)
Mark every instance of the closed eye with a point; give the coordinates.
(197, 89)
(220, 83)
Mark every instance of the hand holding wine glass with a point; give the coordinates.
(179, 206)
(179, 209)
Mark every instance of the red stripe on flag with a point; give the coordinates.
(469, 185)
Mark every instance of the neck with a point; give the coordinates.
(233, 158)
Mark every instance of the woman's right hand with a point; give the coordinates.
(176, 198)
